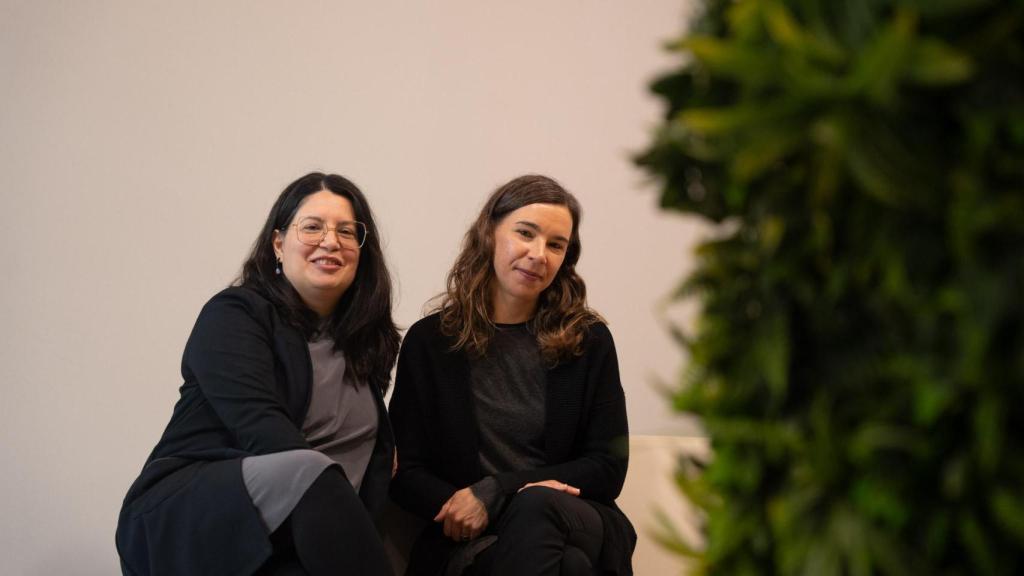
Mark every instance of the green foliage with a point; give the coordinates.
(859, 360)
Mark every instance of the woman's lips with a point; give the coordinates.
(327, 264)
(528, 275)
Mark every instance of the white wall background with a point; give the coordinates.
(142, 144)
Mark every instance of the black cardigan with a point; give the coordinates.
(247, 385)
(585, 435)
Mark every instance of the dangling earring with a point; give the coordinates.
(277, 269)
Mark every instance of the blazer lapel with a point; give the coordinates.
(294, 354)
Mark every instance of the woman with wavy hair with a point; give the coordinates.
(279, 453)
(508, 412)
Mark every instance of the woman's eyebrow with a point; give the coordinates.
(322, 220)
(529, 224)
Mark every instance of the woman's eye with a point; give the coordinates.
(556, 247)
(347, 231)
(311, 227)
(525, 233)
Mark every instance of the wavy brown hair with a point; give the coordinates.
(562, 315)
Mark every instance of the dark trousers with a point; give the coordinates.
(543, 532)
(328, 532)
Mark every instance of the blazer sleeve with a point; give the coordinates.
(601, 454)
(415, 487)
(230, 356)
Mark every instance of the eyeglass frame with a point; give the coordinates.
(323, 233)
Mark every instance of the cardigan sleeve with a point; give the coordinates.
(415, 486)
(600, 454)
(230, 357)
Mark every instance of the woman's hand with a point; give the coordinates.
(555, 484)
(464, 516)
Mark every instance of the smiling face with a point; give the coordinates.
(529, 246)
(320, 273)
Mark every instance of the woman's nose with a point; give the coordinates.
(538, 250)
(330, 239)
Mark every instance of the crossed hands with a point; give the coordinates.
(465, 516)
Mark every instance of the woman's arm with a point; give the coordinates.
(415, 486)
(230, 355)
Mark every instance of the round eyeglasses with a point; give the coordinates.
(312, 231)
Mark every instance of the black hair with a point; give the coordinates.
(361, 324)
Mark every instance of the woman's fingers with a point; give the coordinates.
(442, 513)
(464, 516)
(451, 528)
(554, 484)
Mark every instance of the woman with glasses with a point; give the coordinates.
(278, 453)
(508, 410)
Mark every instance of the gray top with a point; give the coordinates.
(509, 403)
(341, 426)
(342, 417)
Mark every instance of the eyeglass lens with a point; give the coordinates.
(312, 232)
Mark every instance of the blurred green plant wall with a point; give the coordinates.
(859, 359)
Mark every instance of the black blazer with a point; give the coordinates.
(247, 385)
(585, 434)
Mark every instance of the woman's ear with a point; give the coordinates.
(276, 242)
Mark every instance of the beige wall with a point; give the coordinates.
(142, 143)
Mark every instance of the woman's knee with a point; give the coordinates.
(329, 498)
(331, 486)
(575, 519)
(536, 502)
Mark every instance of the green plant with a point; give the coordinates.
(859, 359)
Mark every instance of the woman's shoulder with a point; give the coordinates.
(240, 295)
(597, 335)
(426, 328)
(237, 303)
